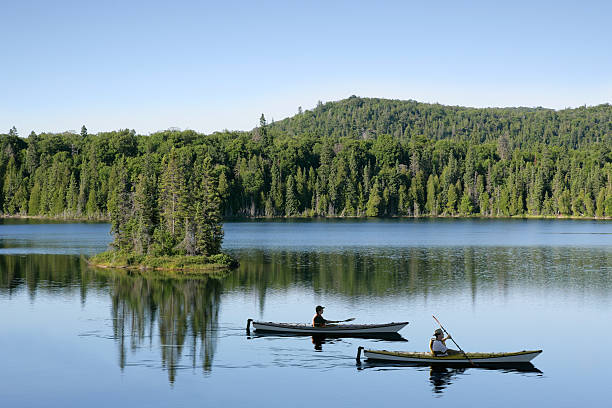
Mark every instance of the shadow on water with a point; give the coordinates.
(319, 340)
(441, 377)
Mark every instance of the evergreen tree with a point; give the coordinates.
(12, 180)
(601, 198)
(72, 196)
(465, 207)
(145, 208)
(291, 206)
(120, 207)
(451, 200)
(374, 201)
(431, 206)
(209, 232)
(170, 185)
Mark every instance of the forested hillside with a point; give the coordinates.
(356, 157)
(368, 117)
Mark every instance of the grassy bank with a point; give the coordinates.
(177, 263)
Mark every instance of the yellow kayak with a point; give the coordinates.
(518, 357)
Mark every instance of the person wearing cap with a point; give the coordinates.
(437, 345)
(318, 320)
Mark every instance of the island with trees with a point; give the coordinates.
(166, 214)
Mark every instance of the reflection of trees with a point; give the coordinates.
(426, 271)
(182, 311)
(35, 272)
(185, 311)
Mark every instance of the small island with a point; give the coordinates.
(166, 216)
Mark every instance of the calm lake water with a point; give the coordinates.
(76, 336)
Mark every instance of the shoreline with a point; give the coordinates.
(304, 217)
(196, 264)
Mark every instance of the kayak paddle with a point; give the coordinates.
(443, 329)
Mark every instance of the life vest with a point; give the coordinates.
(435, 353)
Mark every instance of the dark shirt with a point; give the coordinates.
(318, 321)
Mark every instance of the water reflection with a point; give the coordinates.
(319, 340)
(183, 313)
(177, 316)
(55, 274)
(442, 377)
(424, 271)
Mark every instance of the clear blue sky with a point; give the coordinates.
(210, 66)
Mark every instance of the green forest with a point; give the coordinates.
(352, 158)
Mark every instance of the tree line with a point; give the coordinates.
(356, 157)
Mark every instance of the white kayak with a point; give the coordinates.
(519, 357)
(335, 329)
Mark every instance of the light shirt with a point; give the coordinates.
(438, 347)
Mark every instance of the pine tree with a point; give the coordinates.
(72, 196)
(12, 180)
(291, 205)
(403, 206)
(208, 220)
(417, 192)
(170, 185)
(564, 202)
(145, 207)
(451, 202)
(119, 205)
(601, 198)
(374, 201)
(431, 206)
(91, 207)
(32, 153)
(34, 200)
(276, 190)
(224, 192)
(484, 203)
(465, 207)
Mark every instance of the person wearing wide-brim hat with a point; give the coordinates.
(437, 345)
(318, 320)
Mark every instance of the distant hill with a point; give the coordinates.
(365, 118)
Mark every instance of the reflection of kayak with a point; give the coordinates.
(326, 336)
(519, 357)
(336, 329)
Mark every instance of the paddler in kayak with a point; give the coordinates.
(319, 321)
(437, 345)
